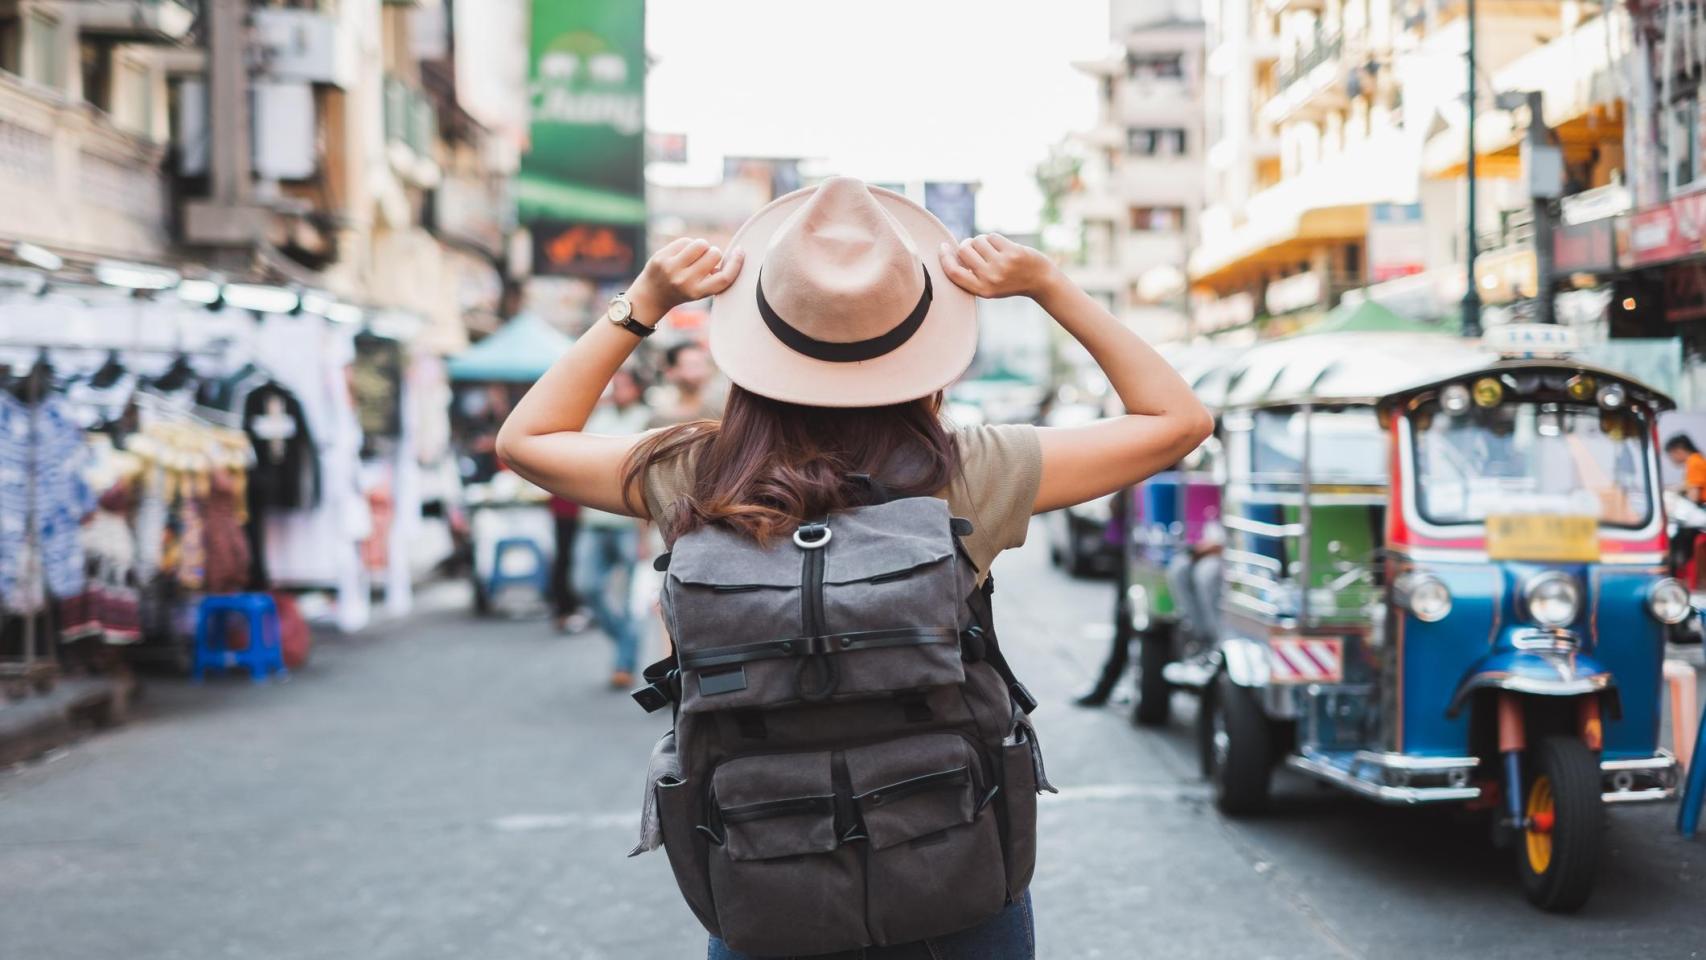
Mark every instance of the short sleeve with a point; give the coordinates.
(1001, 467)
(1694, 473)
(663, 485)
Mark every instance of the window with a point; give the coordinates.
(1154, 66)
(1531, 458)
(1683, 152)
(1158, 219)
(1155, 142)
(41, 58)
(96, 62)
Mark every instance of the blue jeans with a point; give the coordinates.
(1009, 935)
(600, 554)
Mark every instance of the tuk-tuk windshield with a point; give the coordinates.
(1532, 458)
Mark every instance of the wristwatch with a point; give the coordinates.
(621, 313)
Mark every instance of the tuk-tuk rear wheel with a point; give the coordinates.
(1154, 694)
(1235, 748)
(1558, 856)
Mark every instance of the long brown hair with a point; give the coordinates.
(768, 466)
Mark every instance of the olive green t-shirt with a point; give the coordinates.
(1000, 469)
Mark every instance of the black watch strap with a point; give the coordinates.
(636, 328)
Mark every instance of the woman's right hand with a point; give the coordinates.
(682, 271)
(990, 266)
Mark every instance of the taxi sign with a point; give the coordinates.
(1531, 340)
(1543, 537)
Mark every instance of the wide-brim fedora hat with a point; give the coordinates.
(842, 301)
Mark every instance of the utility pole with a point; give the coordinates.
(1543, 173)
(1471, 293)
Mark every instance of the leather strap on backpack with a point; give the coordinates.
(982, 607)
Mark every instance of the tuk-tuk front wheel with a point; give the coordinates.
(1154, 695)
(1559, 847)
(1234, 743)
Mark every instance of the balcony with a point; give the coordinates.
(1158, 102)
(1144, 250)
(411, 132)
(132, 21)
(1310, 82)
(1160, 181)
(75, 182)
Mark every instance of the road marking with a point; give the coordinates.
(535, 822)
(1128, 791)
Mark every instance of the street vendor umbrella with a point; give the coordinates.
(1371, 317)
(520, 352)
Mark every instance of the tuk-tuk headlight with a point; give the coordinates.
(1425, 596)
(1669, 601)
(1553, 599)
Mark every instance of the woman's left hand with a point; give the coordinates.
(990, 266)
(682, 271)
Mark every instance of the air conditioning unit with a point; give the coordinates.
(303, 45)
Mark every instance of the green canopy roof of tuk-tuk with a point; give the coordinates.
(1371, 317)
(520, 352)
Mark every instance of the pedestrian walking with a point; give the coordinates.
(842, 313)
(607, 546)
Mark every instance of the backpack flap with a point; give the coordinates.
(870, 604)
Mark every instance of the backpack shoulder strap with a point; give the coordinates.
(982, 607)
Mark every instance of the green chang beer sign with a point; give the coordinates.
(581, 189)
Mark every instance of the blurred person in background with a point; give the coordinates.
(689, 392)
(1681, 450)
(607, 547)
(565, 603)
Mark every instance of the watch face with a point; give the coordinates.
(620, 310)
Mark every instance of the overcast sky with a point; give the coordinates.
(892, 90)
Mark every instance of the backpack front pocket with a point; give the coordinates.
(782, 880)
(925, 804)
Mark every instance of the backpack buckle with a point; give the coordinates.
(1022, 697)
(973, 648)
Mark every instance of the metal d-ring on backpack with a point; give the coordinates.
(851, 763)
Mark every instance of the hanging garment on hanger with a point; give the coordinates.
(109, 608)
(43, 499)
(227, 549)
(287, 465)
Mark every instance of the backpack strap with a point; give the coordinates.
(982, 607)
(663, 685)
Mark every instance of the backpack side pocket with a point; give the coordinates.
(679, 814)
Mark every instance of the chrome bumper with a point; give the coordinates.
(1640, 779)
(1395, 778)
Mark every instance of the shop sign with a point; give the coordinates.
(955, 204)
(1294, 293)
(1224, 313)
(1667, 232)
(1397, 241)
(581, 188)
(1584, 247)
(1685, 292)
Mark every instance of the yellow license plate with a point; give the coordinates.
(1543, 537)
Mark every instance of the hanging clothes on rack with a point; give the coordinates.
(42, 502)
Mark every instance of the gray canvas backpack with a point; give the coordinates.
(851, 762)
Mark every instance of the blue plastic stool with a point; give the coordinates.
(539, 578)
(265, 653)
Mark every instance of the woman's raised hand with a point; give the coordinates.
(682, 271)
(990, 266)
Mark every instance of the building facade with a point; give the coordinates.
(1338, 141)
(348, 150)
(1136, 197)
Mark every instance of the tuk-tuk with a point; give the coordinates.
(1445, 583)
(1173, 531)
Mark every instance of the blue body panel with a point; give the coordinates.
(1620, 644)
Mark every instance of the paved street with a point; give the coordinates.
(457, 788)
